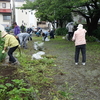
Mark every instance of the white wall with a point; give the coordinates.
(7, 5)
(1, 28)
(32, 19)
(28, 19)
(1, 18)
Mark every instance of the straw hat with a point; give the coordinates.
(80, 26)
(3, 33)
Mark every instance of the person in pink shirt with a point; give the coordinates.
(80, 44)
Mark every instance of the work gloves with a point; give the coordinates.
(3, 51)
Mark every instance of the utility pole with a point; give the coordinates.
(13, 11)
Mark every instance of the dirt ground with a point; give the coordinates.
(83, 81)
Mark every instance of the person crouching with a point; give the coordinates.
(12, 43)
(45, 34)
(23, 37)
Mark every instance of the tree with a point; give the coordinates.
(50, 10)
(60, 10)
(89, 9)
(61, 13)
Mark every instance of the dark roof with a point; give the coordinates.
(22, 0)
(5, 0)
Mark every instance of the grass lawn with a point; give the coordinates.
(55, 77)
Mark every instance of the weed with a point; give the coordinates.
(67, 94)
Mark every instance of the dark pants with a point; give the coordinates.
(10, 54)
(30, 39)
(45, 37)
(18, 40)
(83, 51)
(70, 34)
(51, 36)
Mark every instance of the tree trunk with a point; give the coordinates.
(62, 23)
(92, 25)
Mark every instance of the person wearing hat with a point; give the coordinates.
(12, 43)
(80, 44)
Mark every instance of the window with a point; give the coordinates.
(3, 5)
(5, 17)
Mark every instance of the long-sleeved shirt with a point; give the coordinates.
(70, 28)
(79, 37)
(46, 33)
(16, 30)
(10, 41)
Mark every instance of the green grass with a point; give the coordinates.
(39, 74)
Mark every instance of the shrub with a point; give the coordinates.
(97, 33)
(17, 90)
(91, 39)
(2, 56)
(61, 31)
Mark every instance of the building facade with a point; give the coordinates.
(25, 17)
(9, 14)
(5, 12)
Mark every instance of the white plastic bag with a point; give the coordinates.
(47, 39)
(38, 45)
(41, 53)
(38, 55)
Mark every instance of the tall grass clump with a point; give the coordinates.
(2, 56)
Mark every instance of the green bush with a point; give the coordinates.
(97, 33)
(2, 56)
(17, 90)
(91, 39)
(61, 31)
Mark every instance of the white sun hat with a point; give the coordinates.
(80, 26)
(3, 33)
